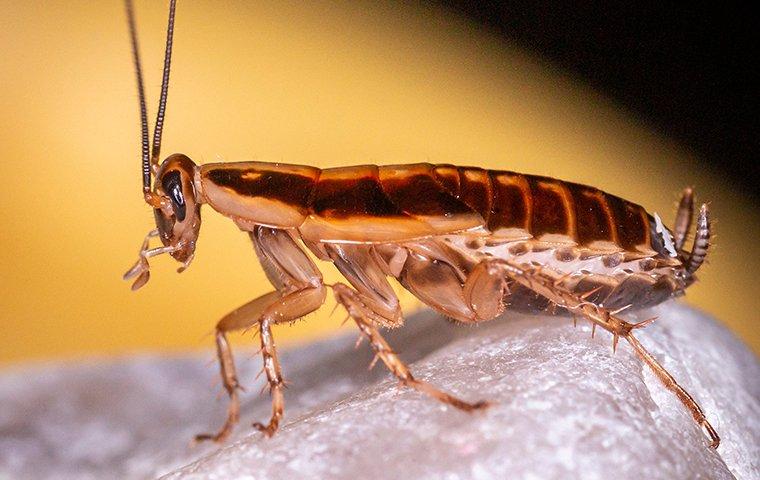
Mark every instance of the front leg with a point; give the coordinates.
(300, 291)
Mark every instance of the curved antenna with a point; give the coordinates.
(141, 93)
(158, 129)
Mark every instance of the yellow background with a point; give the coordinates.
(324, 84)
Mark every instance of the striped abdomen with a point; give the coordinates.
(402, 202)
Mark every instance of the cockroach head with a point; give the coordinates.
(173, 197)
(175, 206)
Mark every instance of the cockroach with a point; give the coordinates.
(467, 242)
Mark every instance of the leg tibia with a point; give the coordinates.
(274, 378)
(290, 307)
(231, 385)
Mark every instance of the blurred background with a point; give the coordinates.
(639, 101)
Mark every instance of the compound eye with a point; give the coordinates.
(172, 184)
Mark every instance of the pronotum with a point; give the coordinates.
(467, 242)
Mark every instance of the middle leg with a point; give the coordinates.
(373, 302)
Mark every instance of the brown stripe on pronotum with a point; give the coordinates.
(290, 188)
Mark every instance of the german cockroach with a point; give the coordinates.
(465, 241)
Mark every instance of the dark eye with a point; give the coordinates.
(172, 183)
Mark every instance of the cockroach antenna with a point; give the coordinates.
(150, 158)
(141, 95)
(159, 128)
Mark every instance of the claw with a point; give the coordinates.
(267, 430)
(216, 438)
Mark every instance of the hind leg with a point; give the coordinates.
(533, 279)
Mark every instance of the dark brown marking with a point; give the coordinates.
(519, 249)
(448, 177)
(592, 220)
(647, 264)
(549, 214)
(612, 260)
(289, 188)
(415, 191)
(353, 191)
(475, 190)
(628, 219)
(511, 201)
(565, 254)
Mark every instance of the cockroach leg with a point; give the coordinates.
(357, 264)
(292, 272)
(618, 327)
(360, 312)
(291, 306)
(239, 319)
(231, 385)
(671, 384)
(274, 377)
(300, 291)
(438, 285)
(485, 289)
(684, 217)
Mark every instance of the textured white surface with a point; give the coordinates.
(566, 407)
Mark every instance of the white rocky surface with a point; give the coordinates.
(566, 407)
